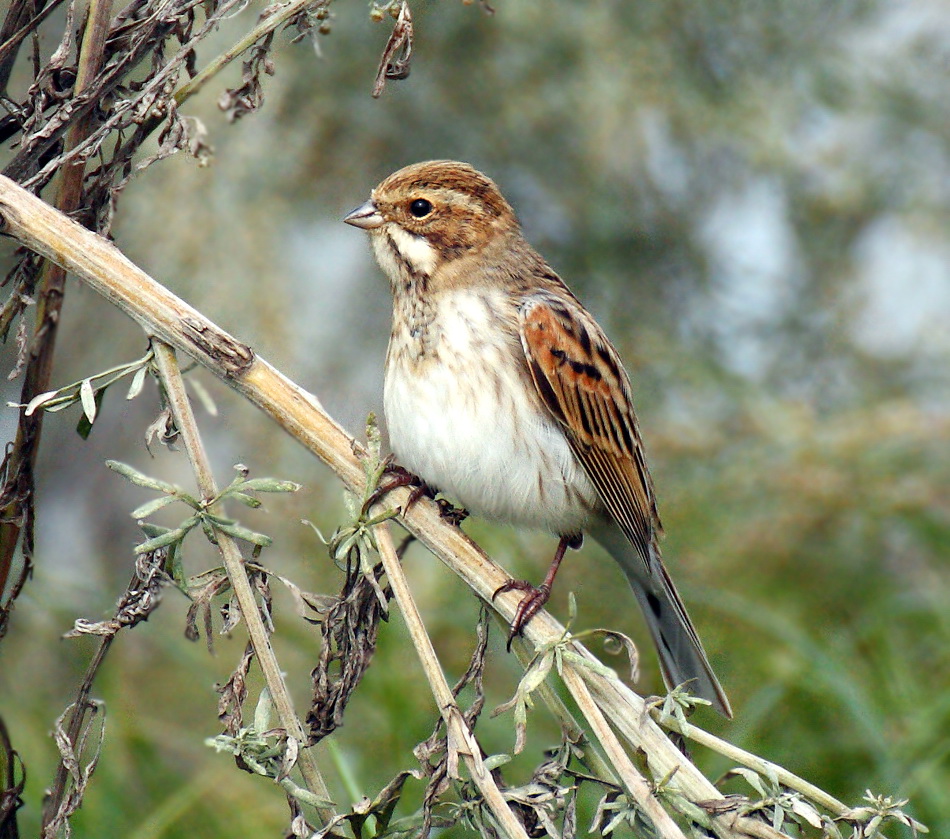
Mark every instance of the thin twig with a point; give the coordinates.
(459, 735)
(52, 805)
(180, 405)
(760, 765)
(135, 605)
(16, 519)
(264, 28)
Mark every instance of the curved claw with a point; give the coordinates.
(534, 599)
(400, 477)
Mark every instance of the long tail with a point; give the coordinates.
(682, 658)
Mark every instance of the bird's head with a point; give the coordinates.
(430, 214)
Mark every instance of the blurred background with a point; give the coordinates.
(753, 198)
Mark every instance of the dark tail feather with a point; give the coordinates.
(682, 658)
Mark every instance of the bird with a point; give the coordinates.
(502, 392)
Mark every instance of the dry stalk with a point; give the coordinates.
(634, 782)
(760, 765)
(174, 386)
(106, 270)
(460, 737)
(16, 518)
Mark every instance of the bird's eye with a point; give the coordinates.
(420, 207)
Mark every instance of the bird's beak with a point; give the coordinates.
(365, 216)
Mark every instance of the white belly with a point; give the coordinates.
(480, 437)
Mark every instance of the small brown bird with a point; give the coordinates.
(502, 392)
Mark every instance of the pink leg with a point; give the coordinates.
(535, 596)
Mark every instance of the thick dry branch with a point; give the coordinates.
(101, 265)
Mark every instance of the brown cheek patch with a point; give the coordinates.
(451, 237)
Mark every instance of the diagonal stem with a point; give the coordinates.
(180, 405)
(458, 732)
(633, 781)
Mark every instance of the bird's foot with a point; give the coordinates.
(451, 513)
(399, 476)
(534, 598)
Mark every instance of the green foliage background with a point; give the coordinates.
(753, 198)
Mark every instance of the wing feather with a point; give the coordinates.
(578, 375)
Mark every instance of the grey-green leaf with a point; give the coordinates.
(268, 485)
(140, 479)
(247, 500)
(138, 382)
(244, 533)
(165, 539)
(152, 506)
(88, 398)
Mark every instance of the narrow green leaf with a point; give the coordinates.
(239, 532)
(84, 426)
(208, 530)
(247, 500)
(140, 479)
(176, 568)
(535, 675)
(263, 712)
(492, 762)
(267, 485)
(162, 541)
(151, 530)
(61, 404)
(152, 506)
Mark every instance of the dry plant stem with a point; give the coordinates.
(760, 765)
(459, 735)
(77, 719)
(40, 368)
(615, 699)
(594, 759)
(48, 306)
(237, 574)
(107, 271)
(636, 785)
(264, 28)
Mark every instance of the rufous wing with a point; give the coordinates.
(578, 374)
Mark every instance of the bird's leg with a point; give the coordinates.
(536, 596)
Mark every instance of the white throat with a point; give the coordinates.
(414, 250)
